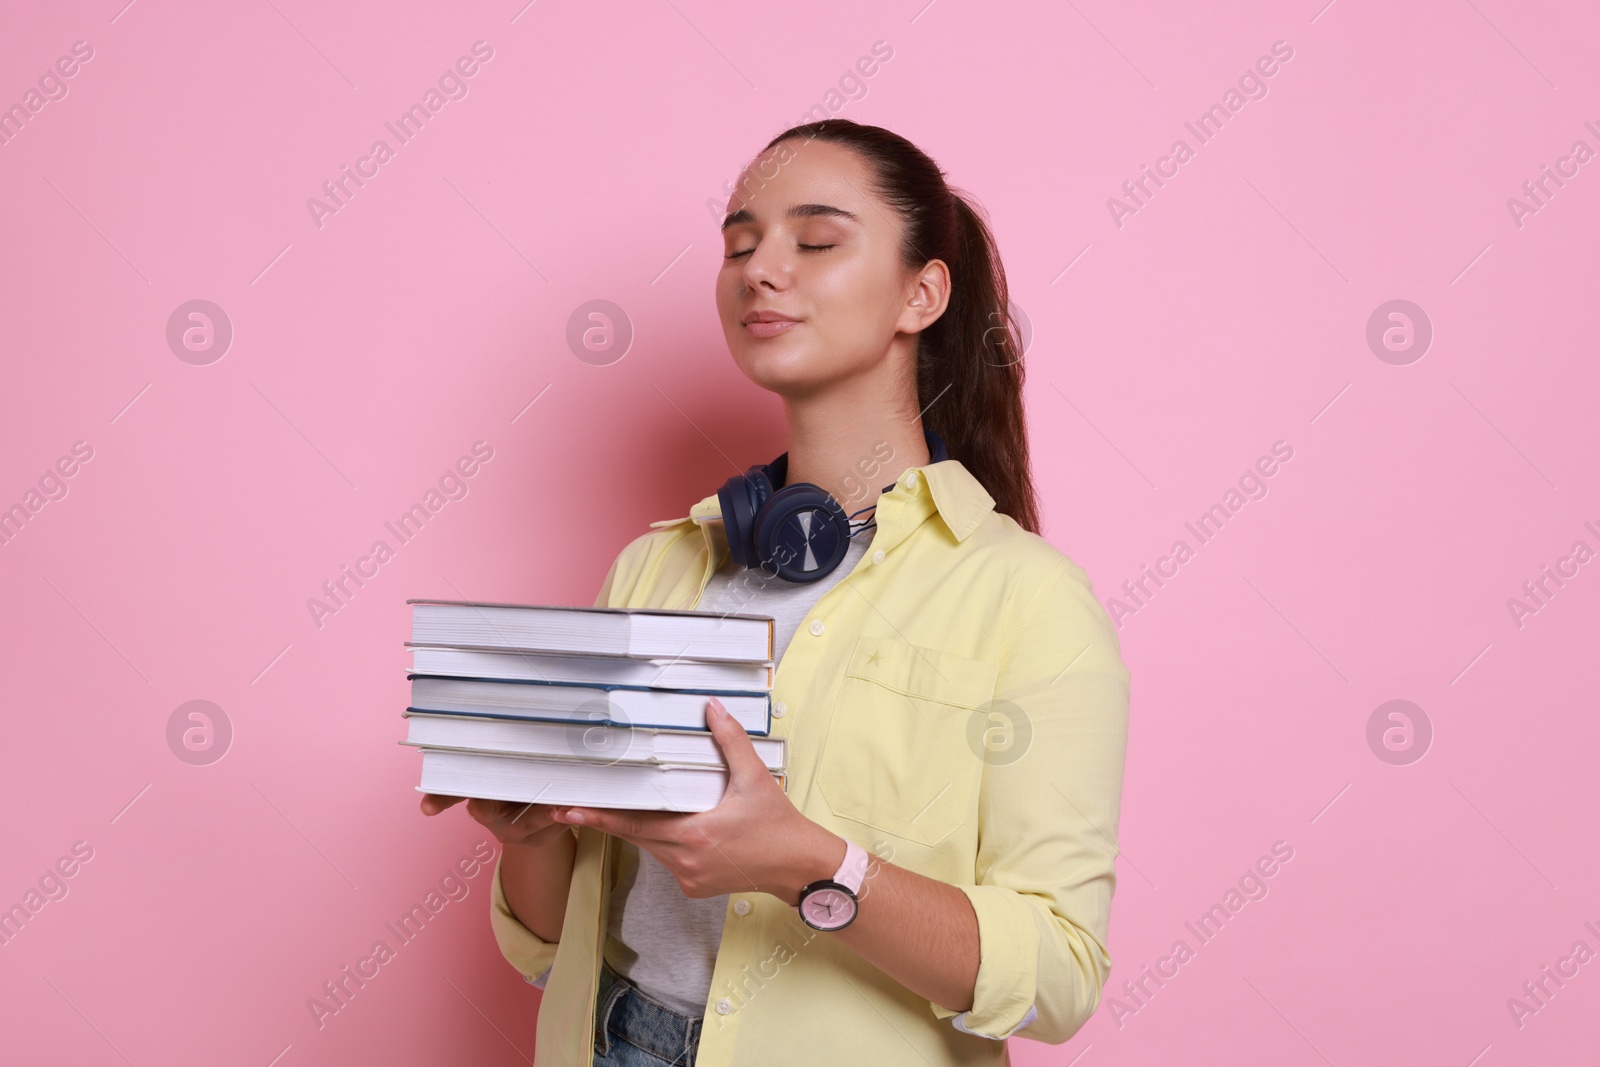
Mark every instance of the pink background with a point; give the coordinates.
(1168, 354)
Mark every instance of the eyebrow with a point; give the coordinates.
(799, 211)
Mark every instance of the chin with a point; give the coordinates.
(780, 372)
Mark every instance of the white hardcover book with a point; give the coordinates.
(642, 633)
(500, 665)
(520, 779)
(577, 740)
(668, 709)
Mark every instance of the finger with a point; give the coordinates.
(743, 763)
(514, 813)
(631, 823)
(499, 812)
(434, 803)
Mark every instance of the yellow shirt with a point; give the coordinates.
(958, 706)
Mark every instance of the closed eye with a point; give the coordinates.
(808, 248)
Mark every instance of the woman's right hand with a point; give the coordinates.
(510, 822)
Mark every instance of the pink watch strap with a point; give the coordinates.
(853, 871)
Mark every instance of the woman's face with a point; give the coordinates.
(806, 240)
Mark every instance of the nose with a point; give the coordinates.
(765, 266)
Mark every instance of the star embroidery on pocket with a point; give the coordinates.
(872, 658)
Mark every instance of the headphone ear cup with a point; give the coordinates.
(801, 533)
(741, 498)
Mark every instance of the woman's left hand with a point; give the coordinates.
(754, 839)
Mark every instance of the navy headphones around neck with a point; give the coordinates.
(799, 531)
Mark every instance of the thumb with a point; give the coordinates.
(731, 738)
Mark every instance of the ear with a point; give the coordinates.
(927, 298)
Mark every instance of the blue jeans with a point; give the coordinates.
(632, 1030)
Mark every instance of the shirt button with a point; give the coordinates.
(741, 907)
(911, 480)
(877, 557)
(816, 628)
(779, 710)
(724, 1006)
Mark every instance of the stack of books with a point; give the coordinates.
(599, 707)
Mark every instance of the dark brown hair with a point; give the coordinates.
(969, 362)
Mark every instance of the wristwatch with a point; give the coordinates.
(831, 903)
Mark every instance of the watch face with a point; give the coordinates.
(828, 908)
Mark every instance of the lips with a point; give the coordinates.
(770, 328)
(768, 323)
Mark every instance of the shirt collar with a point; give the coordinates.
(946, 487)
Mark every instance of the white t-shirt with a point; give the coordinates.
(657, 938)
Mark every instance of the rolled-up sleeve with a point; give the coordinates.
(1048, 812)
(522, 948)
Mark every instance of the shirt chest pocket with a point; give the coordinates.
(900, 755)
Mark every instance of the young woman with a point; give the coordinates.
(952, 695)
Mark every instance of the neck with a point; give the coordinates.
(852, 452)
